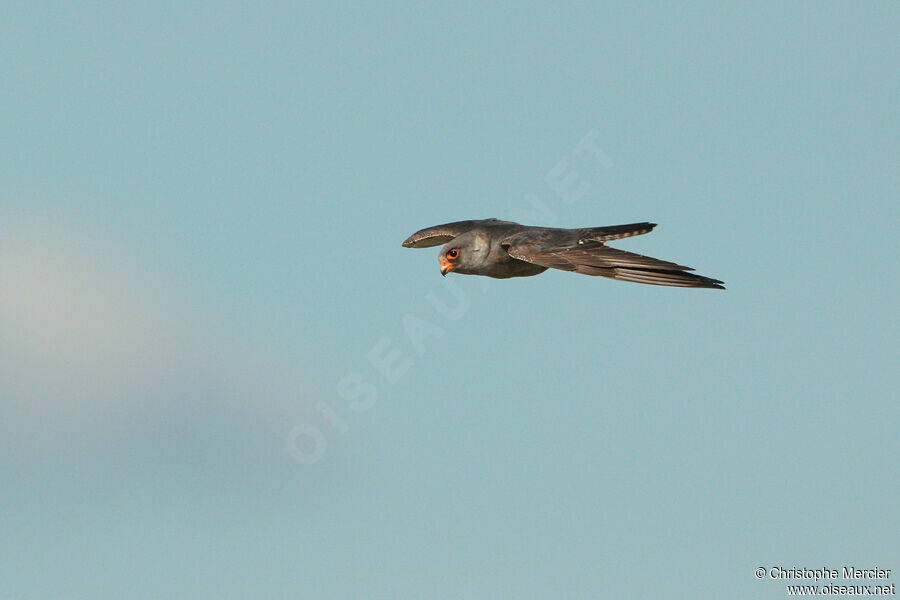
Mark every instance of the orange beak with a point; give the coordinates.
(446, 267)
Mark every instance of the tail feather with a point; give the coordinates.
(613, 232)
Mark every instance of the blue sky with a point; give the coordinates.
(222, 377)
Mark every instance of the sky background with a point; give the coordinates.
(222, 377)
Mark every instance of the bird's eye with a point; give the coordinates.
(453, 254)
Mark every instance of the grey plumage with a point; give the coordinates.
(503, 249)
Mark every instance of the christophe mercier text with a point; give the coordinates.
(822, 574)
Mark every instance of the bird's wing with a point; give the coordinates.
(539, 246)
(441, 234)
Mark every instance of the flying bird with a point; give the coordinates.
(503, 249)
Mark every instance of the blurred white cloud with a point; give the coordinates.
(61, 310)
(74, 327)
(91, 347)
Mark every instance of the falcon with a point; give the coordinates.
(503, 249)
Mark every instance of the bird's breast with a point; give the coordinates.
(501, 265)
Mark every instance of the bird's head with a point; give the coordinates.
(464, 254)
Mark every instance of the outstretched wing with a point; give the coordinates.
(541, 247)
(441, 234)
